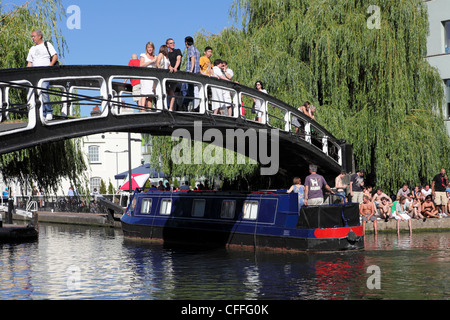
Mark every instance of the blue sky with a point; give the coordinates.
(110, 31)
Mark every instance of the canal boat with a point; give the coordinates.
(260, 220)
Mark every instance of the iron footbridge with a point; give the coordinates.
(88, 100)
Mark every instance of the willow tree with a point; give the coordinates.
(45, 164)
(213, 164)
(361, 63)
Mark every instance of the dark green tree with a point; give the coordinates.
(365, 72)
(46, 164)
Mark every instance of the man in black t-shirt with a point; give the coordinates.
(175, 62)
(356, 186)
(438, 191)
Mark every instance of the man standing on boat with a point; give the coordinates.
(313, 187)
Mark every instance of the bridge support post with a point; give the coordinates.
(35, 220)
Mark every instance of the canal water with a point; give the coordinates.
(71, 262)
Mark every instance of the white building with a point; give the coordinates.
(438, 47)
(107, 155)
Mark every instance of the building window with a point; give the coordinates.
(447, 99)
(447, 36)
(95, 183)
(93, 153)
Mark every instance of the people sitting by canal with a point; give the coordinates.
(367, 212)
(428, 208)
(385, 208)
(426, 191)
(401, 213)
(417, 193)
(403, 191)
(416, 208)
(298, 188)
(448, 196)
(378, 196)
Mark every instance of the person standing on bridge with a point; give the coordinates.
(313, 187)
(205, 63)
(175, 62)
(148, 60)
(258, 102)
(192, 66)
(42, 54)
(135, 83)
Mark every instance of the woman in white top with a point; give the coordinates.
(258, 103)
(148, 60)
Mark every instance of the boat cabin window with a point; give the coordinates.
(146, 206)
(250, 210)
(198, 208)
(228, 208)
(166, 207)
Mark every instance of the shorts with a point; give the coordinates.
(315, 202)
(372, 218)
(399, 216)
(357, 197)
(136, 92)
(441, 198)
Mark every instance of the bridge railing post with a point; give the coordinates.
(325, 144)
(308, 132)
(287, 121)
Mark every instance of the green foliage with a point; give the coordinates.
(161, 159)
(46, 164)
(102, 187)
(17, 23)
(372, 87)
(110, 188)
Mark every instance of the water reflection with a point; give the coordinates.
(109, 267)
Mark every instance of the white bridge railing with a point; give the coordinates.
(85, 95)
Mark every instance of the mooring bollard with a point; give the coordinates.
(35, 219)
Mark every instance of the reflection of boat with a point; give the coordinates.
(258, 219)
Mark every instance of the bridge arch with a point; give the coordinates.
(72, 89)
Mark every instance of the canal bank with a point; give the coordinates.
(72, 218)
(103, 220)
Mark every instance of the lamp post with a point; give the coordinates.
(117, 163)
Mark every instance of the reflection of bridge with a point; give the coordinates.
(75, 91)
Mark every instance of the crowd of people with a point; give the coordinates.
(168, 57)
(420, 203)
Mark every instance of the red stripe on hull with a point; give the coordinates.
(337, 232)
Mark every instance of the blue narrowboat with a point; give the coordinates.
(262, 220)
